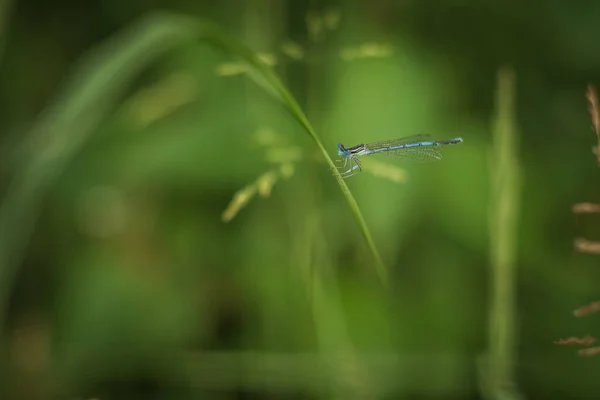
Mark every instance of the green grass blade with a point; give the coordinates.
(88, 96)
(96, 84)
(498, 370)
(264, 76)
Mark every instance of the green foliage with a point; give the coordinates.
(116, 266)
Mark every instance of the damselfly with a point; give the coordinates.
(419, 148)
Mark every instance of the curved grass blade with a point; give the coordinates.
(95, 86)
(264, 76)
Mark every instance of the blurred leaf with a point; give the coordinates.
(95, 85)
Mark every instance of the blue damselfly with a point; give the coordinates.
(419, 148)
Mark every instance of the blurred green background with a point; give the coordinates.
(169, 231)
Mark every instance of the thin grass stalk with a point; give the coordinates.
(264, 76)
(95, 86)
(93, 89)
(98, 81)
(504, 215)
(583, 245)
(348, 378)
(348, 375)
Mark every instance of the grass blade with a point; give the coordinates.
(264, 76)
(498, 371)
(95, 86)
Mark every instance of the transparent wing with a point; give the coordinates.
(399, 142)
(430, 151)
(422, 154)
